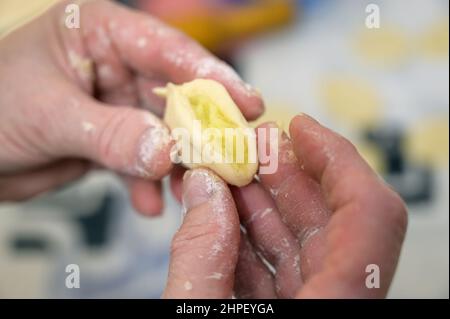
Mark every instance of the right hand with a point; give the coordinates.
(320, 220)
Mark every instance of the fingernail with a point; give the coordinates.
(199, 185)
(250, 90)
(308, 117)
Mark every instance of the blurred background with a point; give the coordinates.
(386, 88)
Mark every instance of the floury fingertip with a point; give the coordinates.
(199, 186)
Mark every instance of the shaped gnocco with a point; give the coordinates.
(208, 102)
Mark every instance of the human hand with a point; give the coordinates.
(319, 220)
(74, 96)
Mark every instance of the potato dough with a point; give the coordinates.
(207, 103)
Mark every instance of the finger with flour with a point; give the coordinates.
(270, 237)
(368, 219)
(120, 43)
(253, 280)
(205, 249)
(299, 200)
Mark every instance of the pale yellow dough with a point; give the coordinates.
(209, 103)
(352, 100)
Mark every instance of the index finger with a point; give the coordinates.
(368, 220)
(148, 47)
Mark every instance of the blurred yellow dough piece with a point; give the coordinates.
(427, 142)
(352, 101)
(207, 102)
(384, 46)
(373, 156)
(280, 113)
(434, 41)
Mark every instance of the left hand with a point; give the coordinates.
(72, 97)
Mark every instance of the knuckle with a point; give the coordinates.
(396, 208)
(346, 144)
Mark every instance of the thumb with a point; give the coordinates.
(205, 248)
(125, 139)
